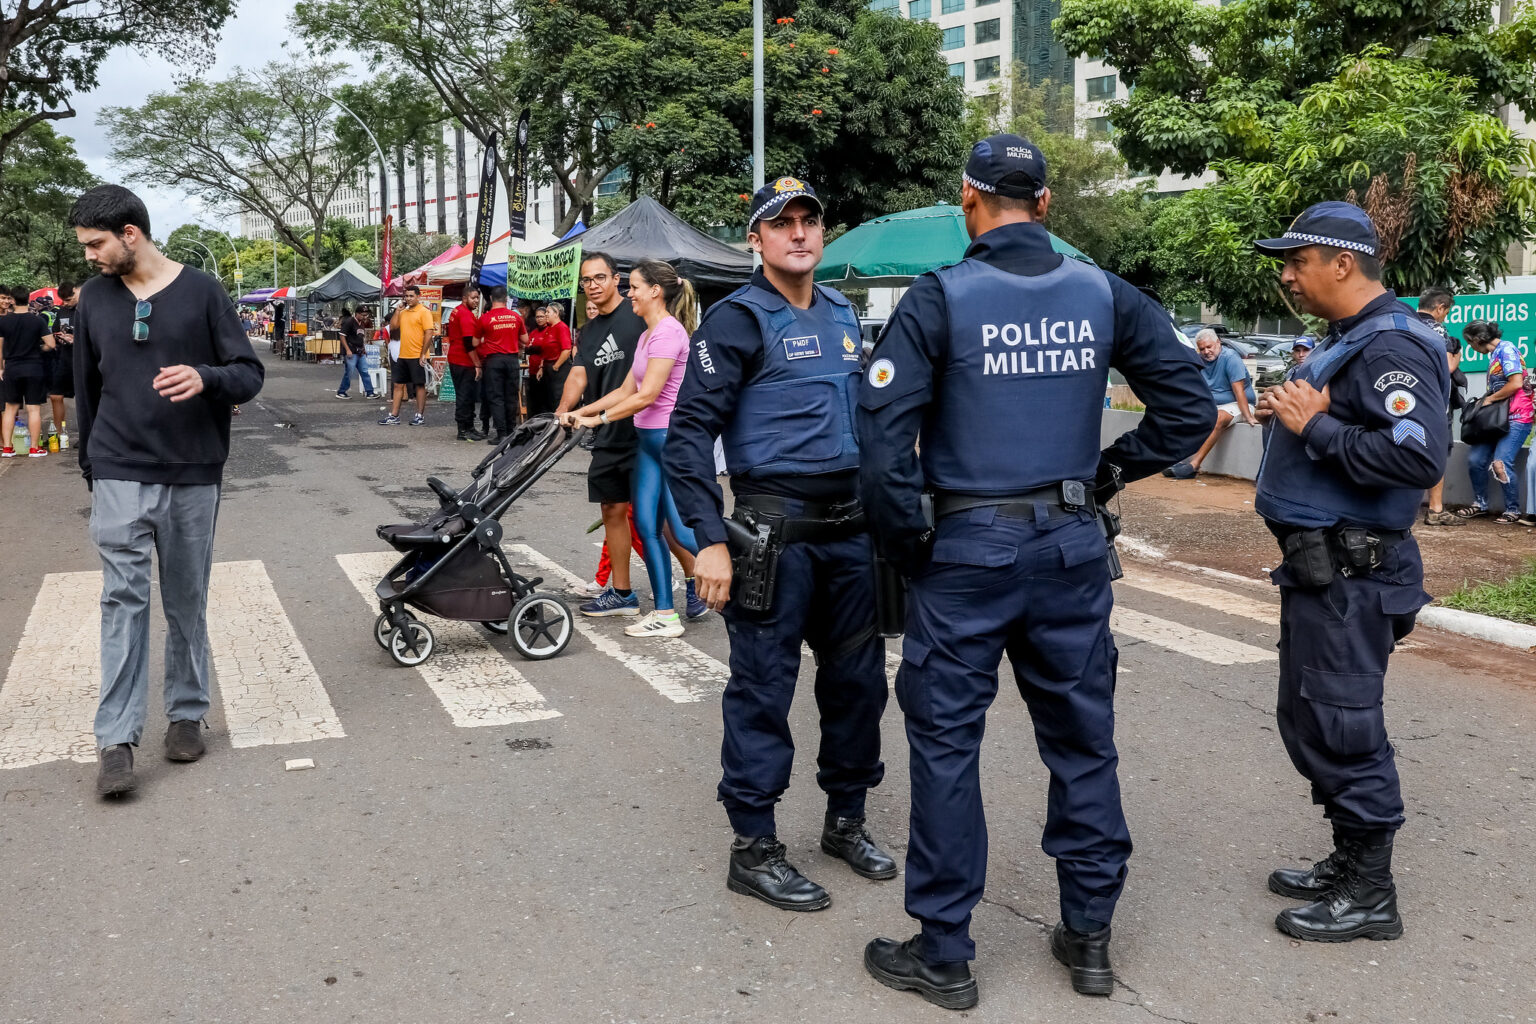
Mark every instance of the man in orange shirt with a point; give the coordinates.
(416, 324)
(502, 335)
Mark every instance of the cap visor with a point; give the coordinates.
(771, 209)
(1280, 244)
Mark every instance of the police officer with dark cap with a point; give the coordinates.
(773, 372)
(1361, 434)
(996, 369)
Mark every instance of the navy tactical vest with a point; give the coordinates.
(1297, 489)
(795, 416)
(1022, 394)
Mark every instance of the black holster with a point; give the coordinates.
(890, 599)
(1315, 557)
(755, 547)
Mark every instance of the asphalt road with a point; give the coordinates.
(567, 861)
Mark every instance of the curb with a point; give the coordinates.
(1518, 635)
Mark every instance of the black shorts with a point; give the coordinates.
(609, 475)
(60, 373)
(408, 371)
(30, 390)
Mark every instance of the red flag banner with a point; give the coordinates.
(387, 256)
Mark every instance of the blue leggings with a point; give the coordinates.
(653, 499)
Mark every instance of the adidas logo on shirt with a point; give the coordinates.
(609, 352)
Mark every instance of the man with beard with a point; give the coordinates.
(160, 360)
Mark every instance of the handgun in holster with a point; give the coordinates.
(755, 549)
(1106, 486)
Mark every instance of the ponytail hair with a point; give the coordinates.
(682, 301)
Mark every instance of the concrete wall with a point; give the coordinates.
(1239, 451)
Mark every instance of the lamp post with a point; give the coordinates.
(239, 271)
(758, 90)
(383, 181)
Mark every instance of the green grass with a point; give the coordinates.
(1514, 599)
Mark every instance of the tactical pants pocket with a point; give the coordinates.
(1346, 710)
(913, 694)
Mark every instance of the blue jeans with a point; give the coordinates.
(1481, 456)
(131, 523)
(349, 364)
(653, 500)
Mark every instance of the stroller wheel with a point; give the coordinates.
(541, 626)
(412, 645)
(382, 627)
(497, 626)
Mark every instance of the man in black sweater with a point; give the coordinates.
(160, 360)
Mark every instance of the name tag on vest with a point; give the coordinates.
(802, 348)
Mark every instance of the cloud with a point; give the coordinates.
(255, 35)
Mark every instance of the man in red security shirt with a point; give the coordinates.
(464, 362)
(502, 335)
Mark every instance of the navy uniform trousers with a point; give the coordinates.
(1039, 590)
(825, 596)
(1334, 643)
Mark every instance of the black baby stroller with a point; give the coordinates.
(454, 567)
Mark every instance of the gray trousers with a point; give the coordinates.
(175, 521)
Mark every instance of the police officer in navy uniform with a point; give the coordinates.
(1361, 434)
(998, 365)
(773, 371)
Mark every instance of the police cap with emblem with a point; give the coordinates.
(777, 194)
(1006, 165)
(1337, 225)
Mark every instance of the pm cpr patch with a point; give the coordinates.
(1400, 403)
(881, 373)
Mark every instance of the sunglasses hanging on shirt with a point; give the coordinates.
(141, 311)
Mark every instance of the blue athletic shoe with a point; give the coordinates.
(696, 606)
(610, 603)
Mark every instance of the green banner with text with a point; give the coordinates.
(1515, 315)
(544, 276)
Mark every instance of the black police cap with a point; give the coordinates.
(1006, 165)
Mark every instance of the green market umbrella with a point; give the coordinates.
(888, 252)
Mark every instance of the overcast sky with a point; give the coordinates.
(254, 36)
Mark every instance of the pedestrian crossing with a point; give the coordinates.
(271, 692)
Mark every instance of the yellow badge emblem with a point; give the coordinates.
(848, 345)
(789, 185)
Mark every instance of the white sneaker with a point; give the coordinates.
(590, 588)
(657, 624)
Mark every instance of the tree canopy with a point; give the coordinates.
(1446, 183)
(261, 142)
(42, 176)
(51, 50)
(1213, 82)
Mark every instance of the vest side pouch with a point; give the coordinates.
(1308, 559)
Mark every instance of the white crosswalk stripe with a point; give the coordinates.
(1209, 597)
(1185, 640)
(270, 689)
(49, 696)
(676, 669)
(475, 683)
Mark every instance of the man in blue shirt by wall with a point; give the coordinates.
(1232, 389)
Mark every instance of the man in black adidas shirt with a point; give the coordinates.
(160, 361)
(25, 341)
(604, 355)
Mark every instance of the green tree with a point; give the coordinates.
(42, 175)
(1219, 82)
(51, 50)
(264, 143)
(1096, 204)
(1447, 184)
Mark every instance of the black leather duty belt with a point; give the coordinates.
(795, 520)
(1063, 499)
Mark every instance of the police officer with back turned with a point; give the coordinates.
(773, 371)
(998, 364)
(1362, 432)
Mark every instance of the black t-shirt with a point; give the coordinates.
(606, 350)
(351, 335)
(21, 342)
(63, 325)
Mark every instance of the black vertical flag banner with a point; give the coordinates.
(518, 211)
(485, 215)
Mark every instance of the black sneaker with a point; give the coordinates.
(758, 868)
(184, 741)
(116, 774)
(898, 965)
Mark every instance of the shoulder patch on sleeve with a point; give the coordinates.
(1396, 378)
(1400, 403)
(881, 373)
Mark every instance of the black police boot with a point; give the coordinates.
(900, 966)
(848, 839)
(1087, 957)
(758, 868)
(1311, 883)
(1361, 905)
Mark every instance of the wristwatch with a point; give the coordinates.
(602, 417)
